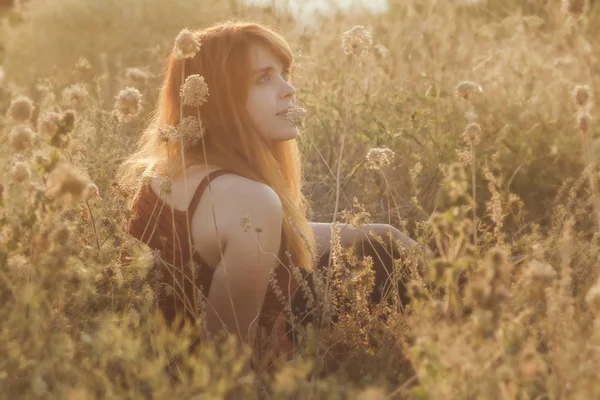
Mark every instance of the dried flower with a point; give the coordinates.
(21, 109)
(21, 138)
(20, 172)
(136, 77)
(378, 158)
(472, 134)
(584, 123)
(574, 7)
(194, 91)
(593, 298)
(62, 234)
(83, 63)
(416, 170)
(382, 50)
(190, 131)
(166, 133)
(129, 104)
(245, 222)
(464, 156)
(296, 115)
(581, 95)
(357, 41)
(66, 182)
(86, 253)
(540, 271)
(92, 191)
(165, 186)
(186, 45)
(74, 95)
(48, 123)
(465, 90)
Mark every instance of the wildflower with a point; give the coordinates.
(593, 298)
(48, 123)
(416, 170)
(540, 271)
(21, 109)
(296, 115)
(74, 95)
(245, 222)
(194, 91)
(584, 123)
(190, 131)
(20, 172)
(21, 138)
(464, 156)
(65, 181)
(472, 134)
(357, 41)
(92, 191)
(581, 95)
(186, 45)
(382, 50)
(136, 77)
(466, 89)
(574, 7)
(165, 186)
(378, 158)
(166, 133)
(129, 104)
(62, 234)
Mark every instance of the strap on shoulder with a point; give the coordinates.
(202, 187)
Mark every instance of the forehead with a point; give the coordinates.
(260, 56)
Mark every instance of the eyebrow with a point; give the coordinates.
(269, 68)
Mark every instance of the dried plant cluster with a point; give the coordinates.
(477, 139)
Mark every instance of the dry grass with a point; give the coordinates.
(508, 309)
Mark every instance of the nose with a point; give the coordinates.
(288, 91)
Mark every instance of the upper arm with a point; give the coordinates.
(240, 279)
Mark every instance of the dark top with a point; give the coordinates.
(164, 229)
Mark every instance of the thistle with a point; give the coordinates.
(66, 182)
(190, 131)
(48, 123)
(74, 95)
(581, 95)
(136, 77)
(465, 90)
(194, 91)
(20, 172)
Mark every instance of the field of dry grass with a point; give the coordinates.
(487, 110)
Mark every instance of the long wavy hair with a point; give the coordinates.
(231, 141)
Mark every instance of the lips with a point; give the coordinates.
(284, 112)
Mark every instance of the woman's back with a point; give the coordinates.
(248, 256)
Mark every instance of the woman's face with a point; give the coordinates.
(269, 95)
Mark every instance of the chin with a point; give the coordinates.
(288, 135)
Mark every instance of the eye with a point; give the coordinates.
(265, 77)
(285, 75)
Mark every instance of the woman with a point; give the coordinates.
(221, 194)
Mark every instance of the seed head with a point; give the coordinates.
(245, 222)
(186, 45)
(136, 77)
(129, 104)
(66, 182)
(593, 299)
(92, 192)
(357, 41)
(21, 109)
(21, 138)
(581, 95)
(584, 123)
(165, 186)
(296, 115)
(48, 123)
(20, 172)
(194, 91)
(190, 131)
(74, 95)
(166, 133)
(574, 7)
(540, 271)
(465, 90)
(378, 158)
(62, 234)
(472, 134)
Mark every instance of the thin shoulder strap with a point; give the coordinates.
(202, 187)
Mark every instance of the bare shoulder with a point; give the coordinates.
(231, 201)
